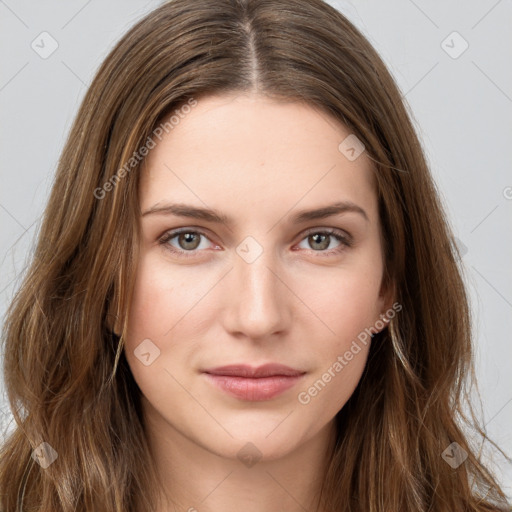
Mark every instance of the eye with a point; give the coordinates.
(321, 240)
(189, 241)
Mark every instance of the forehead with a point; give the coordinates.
(250, 152)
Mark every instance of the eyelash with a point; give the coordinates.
(345, 240)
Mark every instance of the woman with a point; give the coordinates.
(237, 300)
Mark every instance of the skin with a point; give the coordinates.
(259, 161)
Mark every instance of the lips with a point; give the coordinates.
(244, 370)
(254, 384)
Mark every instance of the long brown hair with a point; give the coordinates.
(67, 379)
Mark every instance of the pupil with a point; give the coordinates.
(189, 239)
(319, 241)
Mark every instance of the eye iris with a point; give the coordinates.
(188, 238)
(322, 242)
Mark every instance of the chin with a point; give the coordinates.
(256, 440)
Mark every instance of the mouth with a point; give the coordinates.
(254, 384)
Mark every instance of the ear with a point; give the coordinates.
(387, 295)
(114, 321)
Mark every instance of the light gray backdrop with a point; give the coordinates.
(451, 60)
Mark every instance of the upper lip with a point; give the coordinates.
(245, 370)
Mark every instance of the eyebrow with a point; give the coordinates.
(210, 215)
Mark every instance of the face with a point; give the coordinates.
(268, 284)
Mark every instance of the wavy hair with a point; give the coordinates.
(66, 376)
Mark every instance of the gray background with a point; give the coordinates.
(461, 103)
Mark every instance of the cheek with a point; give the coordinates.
(167, 308)
(346, 301)
(349, 306)
(160, 298)
(153, 309)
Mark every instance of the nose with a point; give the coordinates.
(258, 301)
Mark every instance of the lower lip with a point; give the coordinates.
(252, 389)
